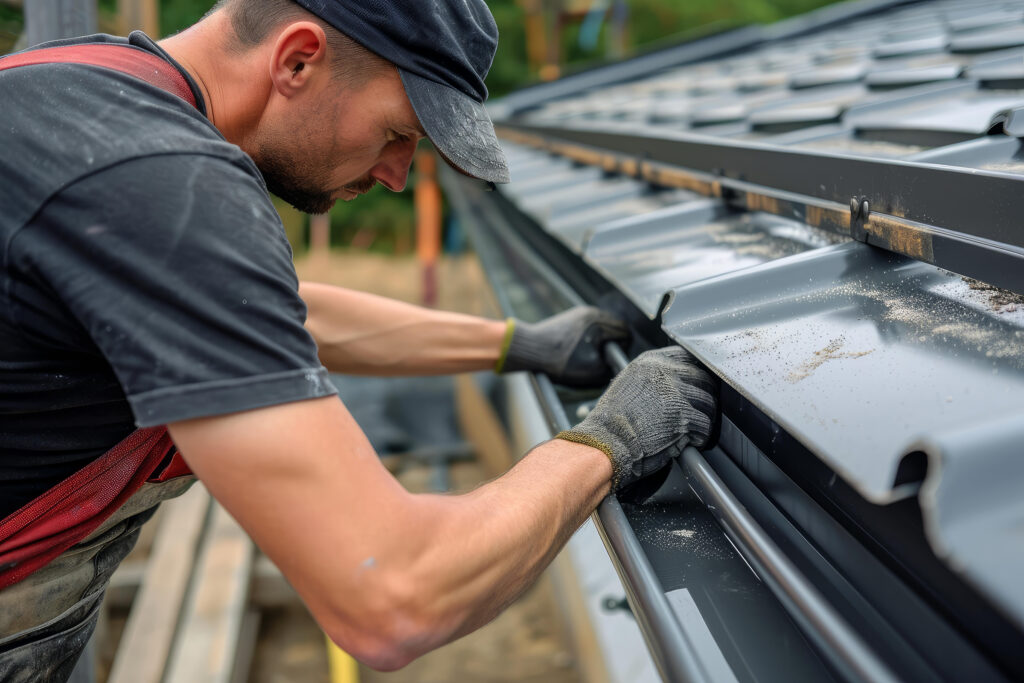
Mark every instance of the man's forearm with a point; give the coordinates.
(359, 333)
(463, 559)
(496, 540)
(388, 575)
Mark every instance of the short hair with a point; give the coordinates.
(253, 20)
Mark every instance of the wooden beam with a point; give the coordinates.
(213, 620)
(246, 649)
(149, 632)
(140, 15)
(482, 427)
(268, 588)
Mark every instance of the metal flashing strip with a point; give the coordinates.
(963, 220)
(649, 259)
(979, 534)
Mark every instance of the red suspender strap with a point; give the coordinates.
(47, 526)
(66, 514)
(128, 60)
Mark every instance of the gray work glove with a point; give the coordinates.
(567, 347)
(662, 402)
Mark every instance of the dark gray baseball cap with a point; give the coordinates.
(443, 50)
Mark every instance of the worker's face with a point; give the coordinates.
(339, 143)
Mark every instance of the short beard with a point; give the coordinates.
(278, 173)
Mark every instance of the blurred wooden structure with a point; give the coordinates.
(195, 602)
(320, 242)
(427, 197)
(546, 21)
(141, 15)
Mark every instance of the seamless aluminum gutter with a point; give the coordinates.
(653, 575)
(678, 653)
(674, 653)
(902, 378)
(893, 370)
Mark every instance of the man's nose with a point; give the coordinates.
(392, 171)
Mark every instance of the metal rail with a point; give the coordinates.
(673, 653)
(832, 635)
(817, 619)
(962, 219)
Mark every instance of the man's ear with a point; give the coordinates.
(299, 52)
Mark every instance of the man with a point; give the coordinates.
(146, 281)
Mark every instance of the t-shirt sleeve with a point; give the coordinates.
(177, 268)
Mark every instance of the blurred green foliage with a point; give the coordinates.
(385, 220)
(10, 27)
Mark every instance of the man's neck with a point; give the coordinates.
(230, 82)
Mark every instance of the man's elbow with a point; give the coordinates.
(380, 654)
(387, 633)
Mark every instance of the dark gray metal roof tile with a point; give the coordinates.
(549, 205)
(932, 43)
(899, 78)
(862, 355)
(850, 73)
(576, 229)
(988, 40)
(689, 244)
(841, 345)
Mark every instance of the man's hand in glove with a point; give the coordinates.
(662, 402)
(567, 347)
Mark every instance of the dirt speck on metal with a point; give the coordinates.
(833, 351)
(1000, 299)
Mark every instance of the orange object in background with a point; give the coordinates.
(427, 199)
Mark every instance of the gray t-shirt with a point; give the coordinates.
(144, 274)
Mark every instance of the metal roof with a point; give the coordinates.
(741, 201)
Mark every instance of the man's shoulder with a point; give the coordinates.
(96, 114)
(64, 122)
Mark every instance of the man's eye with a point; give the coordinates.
(395, 136)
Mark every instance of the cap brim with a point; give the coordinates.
(459, 127)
